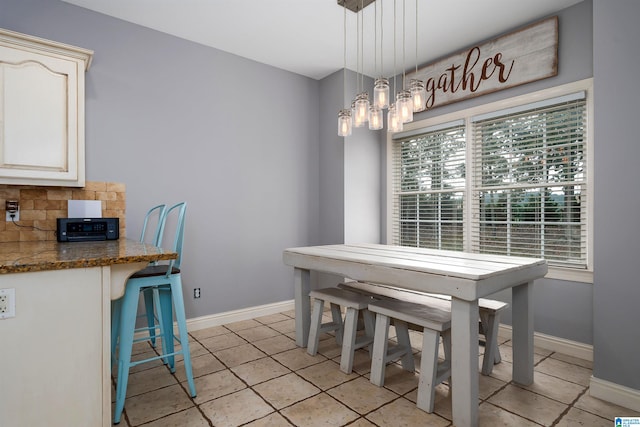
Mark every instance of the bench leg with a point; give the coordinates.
(428, 370)
(349, 340)
(314, 329)
(369, 327)
(336, 316)
(446, 342)
(402, 333)
(491, 351)
(380, 344)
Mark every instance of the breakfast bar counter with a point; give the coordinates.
(121, 255)
(55, 366)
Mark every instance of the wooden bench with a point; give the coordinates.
(354, 303)
(434, 321)
(489, 311)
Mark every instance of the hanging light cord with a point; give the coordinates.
(362, 46)
(416, 39)
(344, 45)
(381, 38)
(358, 16)
(375, 39)
(394, 46)
(404, 38)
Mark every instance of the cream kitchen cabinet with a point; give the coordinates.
(41, 111)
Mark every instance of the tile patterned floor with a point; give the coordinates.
(251, 373)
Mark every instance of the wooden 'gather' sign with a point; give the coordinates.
(520, 57)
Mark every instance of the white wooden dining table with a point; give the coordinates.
(465, 277)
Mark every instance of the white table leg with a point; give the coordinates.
(522, 320)
(302, 286)
(464, 366)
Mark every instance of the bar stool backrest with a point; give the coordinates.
(173, 219)
(155, 216)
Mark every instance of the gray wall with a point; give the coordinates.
(160, 118)
(616, 312)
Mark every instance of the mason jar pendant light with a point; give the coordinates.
(404, 103)
(381, 92)
(404, 106)
(344, 122)
(394, 123)
(375, 118)
(381, 85)
(417, 88)
(362, 109)
(418, 95)
(362, 104)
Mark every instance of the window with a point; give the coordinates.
(430, 173)
(508, 179)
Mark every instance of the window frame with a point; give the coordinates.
(586, 85)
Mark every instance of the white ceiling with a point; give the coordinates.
(307, 36)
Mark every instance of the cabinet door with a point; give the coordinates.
(41, 117)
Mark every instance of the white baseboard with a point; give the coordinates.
(600, 389)
(219, 319)
(549, 342)
(615, 393)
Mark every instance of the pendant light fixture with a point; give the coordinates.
(364, 109)
(344, 115)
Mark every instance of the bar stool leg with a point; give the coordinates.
(127, 323)
(166, 312)
(163, 333)
(151, 321)
(178, 303)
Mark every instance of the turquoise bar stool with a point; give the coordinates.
(166, 279)
(151, 235)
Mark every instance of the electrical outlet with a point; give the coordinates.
(196, 293)
(13, 210)
(7, 303)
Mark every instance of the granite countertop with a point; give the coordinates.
(20, 257)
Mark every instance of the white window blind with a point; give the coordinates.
(429, 187)
(512, 181)
(529, 183)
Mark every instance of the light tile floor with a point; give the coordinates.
(251, 373)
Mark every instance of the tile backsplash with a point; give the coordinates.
(41, 206)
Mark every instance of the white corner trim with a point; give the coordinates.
(549, 342)
(615, 393)
(219, 319)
